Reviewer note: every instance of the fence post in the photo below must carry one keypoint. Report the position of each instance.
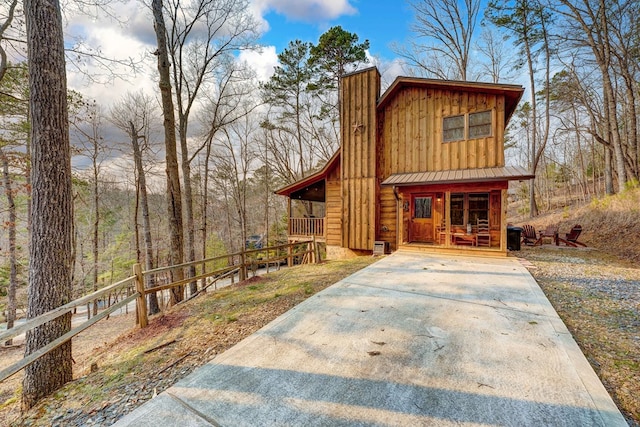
(141, 302)
(290, 254)
(316, 252)
(243, 266)
(204, 279)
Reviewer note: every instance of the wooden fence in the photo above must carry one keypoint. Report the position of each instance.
(237, 264)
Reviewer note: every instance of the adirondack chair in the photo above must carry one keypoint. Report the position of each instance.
(529, 235)
(571, 238)
(551, 232)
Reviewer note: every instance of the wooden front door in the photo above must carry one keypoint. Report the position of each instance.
(421, 227)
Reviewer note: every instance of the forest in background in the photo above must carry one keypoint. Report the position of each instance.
(189, 171)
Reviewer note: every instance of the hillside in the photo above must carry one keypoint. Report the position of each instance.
(118, 367)
(611, 224)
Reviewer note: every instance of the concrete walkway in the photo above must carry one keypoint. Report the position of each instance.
(412, 340)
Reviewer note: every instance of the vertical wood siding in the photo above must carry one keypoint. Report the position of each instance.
(359, 93)
(411, 131)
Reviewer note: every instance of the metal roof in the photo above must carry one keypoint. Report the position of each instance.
(504, 173)
(311, 179)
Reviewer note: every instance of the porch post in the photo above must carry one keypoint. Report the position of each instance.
(289, 217)
(503, 220)
(447, 216)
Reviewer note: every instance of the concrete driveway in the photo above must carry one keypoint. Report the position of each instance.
(410, 340)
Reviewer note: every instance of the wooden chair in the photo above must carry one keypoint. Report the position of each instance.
(442, 232)
(571, 238)
(529, 235)
(551, 232)
(483, 234)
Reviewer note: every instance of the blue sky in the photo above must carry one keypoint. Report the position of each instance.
(382, 22)
(379, 21)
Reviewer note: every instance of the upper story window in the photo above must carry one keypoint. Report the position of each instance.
(467, 126)
(479, 124)
(453, 128)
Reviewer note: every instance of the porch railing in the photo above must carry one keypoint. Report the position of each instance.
(306, 227)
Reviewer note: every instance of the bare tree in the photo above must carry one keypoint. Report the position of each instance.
(498, 60)
(588, 25)
(4, 26)
(444, 32)
(87, 127)
(174, 197)
(202, 35)
(133, 115)
(228, 101)
(52, 213)
(234, 159)
(11, 225)
(14, 118)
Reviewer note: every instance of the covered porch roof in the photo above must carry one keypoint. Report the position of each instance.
(503, 173)
(311, 187)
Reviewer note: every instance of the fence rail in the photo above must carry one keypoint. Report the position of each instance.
(238, 263)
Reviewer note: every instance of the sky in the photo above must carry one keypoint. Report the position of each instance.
(382, 22)
(379, 21)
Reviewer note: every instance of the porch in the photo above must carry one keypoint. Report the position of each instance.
(453, 211)
(306, 228)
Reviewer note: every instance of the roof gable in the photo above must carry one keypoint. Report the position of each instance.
(512, 93)
(311, 179)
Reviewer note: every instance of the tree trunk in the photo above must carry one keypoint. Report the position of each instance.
(11, 224)
(96, 222)
(205, 198)
(533, 206)
(188, 201)
(146, 223)
(52, 202)
(632, 133)
(174, 202)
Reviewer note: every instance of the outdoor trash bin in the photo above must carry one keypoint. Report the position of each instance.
(513, 238)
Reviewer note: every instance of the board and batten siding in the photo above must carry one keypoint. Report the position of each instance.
(411, 131)
(359, 95)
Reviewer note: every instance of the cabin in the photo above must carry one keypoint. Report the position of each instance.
(420, 166)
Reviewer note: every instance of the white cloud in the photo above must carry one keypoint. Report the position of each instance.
(306, 10)
(133, 39)
(263, 61)
(389, 70)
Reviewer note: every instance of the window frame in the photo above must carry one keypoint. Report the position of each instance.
(490, 124)
(466, 208)
(466, 129)
(420, 210)
(463, 127)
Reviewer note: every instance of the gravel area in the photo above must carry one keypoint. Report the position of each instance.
(598, 297)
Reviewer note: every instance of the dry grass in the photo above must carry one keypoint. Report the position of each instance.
(611, 224)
